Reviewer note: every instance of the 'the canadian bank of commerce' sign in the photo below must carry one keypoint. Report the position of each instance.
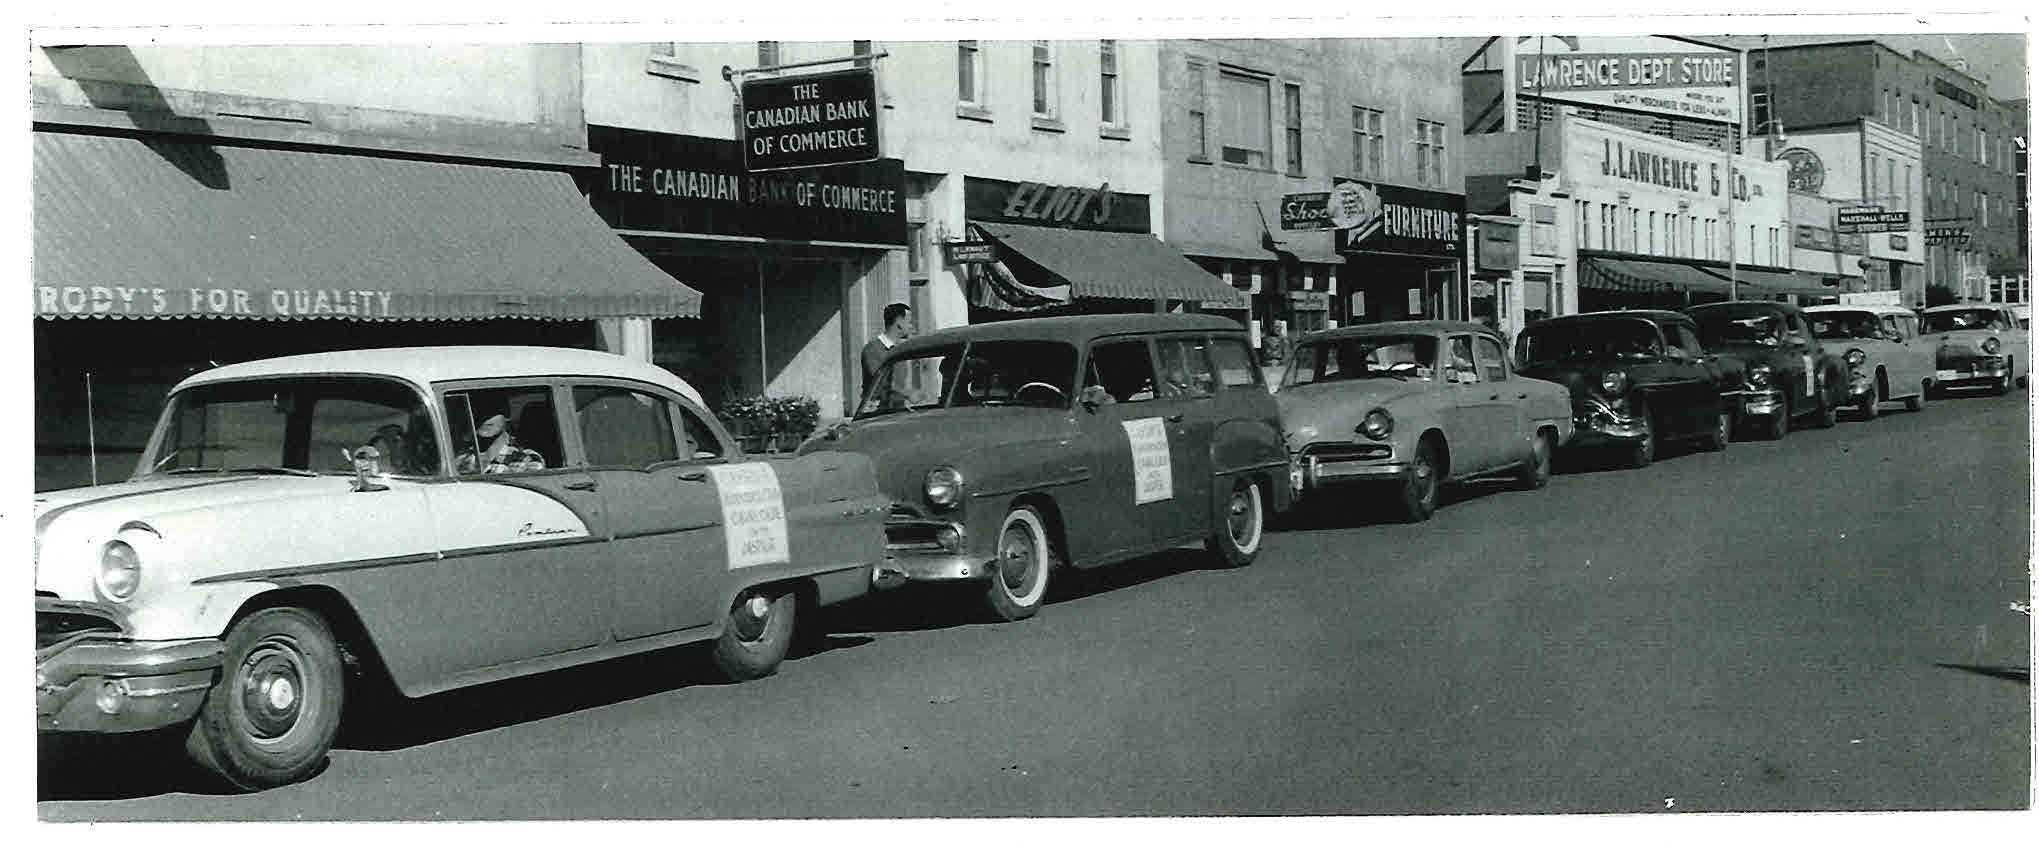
(813, 120)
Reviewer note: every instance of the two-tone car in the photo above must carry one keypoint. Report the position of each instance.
(425, 518)
(1412, 405)
(1785, 373)
(1636, 378)
(1981, 344)
(1888, 360)
(1014, 448)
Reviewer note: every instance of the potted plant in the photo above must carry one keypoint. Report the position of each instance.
(749, 419)
(794, 418)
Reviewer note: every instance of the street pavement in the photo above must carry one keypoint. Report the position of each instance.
(1822, 623)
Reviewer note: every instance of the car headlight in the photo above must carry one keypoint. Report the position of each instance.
(1614, 382)
(1377, 424)
(1856, 357)
(1991, 345)
(944, 487)
(1759, 375)
(120, 571)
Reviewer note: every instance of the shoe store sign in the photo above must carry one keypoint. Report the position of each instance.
(815, 120)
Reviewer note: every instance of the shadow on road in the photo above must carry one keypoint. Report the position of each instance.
(930, 607)
(117, 767)
(2021, 674)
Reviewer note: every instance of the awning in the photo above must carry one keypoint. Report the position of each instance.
(1639, 276)
(1102, 265)
(1777, 281)
(137, 228)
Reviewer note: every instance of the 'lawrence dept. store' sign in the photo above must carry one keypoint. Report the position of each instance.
(685, 184)
(814, 120)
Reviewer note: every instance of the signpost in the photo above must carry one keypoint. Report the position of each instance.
(970, 252)
(814, 120)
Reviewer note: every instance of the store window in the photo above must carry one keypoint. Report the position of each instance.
(969, 73)
(1199, 104)
(1634, 229)
(1044, 79)
(1109, 93)
(1652, 232)
(1243, 121)
(1429, 152)
(1370, 143)
(1292, 126)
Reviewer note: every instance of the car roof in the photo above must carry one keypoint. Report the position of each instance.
(1651, 314)
(1892, 310)
(1075, 329)
(425, 365)
(1743, 306)
(1964, 306)
(1402, 327)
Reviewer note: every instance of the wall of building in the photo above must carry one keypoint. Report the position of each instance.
(1215, 208)
(1816, 84)
(1698, 191)
(1961, 164)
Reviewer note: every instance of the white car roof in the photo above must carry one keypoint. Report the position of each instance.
(1873, 309)
(1964, 306)
(424, 365)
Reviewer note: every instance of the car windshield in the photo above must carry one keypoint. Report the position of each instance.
(1844, 325)
(1369, 356)
(1763, 329)
(1034, 373)
(1586, 340)
(294, 426)
(1965, 318)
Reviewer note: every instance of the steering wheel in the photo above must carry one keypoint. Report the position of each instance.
(1060, 397)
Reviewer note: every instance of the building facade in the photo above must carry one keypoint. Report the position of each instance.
(1840, 175)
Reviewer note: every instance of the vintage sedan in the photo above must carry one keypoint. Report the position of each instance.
(303, 527)
(1981, 344)
(1010, 449)
(1888, 360)
(1416, 404)
(1636, 378)
(1784, 371)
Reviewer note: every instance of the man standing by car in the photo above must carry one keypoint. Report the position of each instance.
(897, 328)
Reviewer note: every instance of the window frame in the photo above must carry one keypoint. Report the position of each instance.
(565, 386)
(1199, 111)
(1111, 85)
(1370, 142)
(1292, 127)
(1088, 365)
(1265, 102)
(970, 64)
(570, 457)
(672, 428)
(1042, 65)
(1480, 360)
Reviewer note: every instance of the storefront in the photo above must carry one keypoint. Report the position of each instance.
(157, 256)
(1404, 252)
(791, 265)
(1059, 249)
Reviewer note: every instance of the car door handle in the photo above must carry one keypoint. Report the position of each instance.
(693, 475)
(1173, 418)
(589, 484)
(1522, 396)
(1494, 398)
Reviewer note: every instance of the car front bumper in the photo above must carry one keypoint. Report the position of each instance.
(1595, 425)
(1971, 371)
(1349, 465)
(915, 552)
(105, 684)
(1760, 402)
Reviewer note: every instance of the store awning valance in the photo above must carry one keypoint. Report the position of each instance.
(1776, 281)
(1101, 265)
(1639, 276)
(131, 227)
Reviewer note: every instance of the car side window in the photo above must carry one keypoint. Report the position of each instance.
(1682, 337)
(503, 430)
(1493, 362)
(1185, 368)
(698, 439)
(1891, 329)
(1123, 369)
(624, 427)
(1234, 363)
(1459, 366)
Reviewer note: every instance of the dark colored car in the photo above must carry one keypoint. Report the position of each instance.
(1636, 378)
(1009, 449)
(1785, 372)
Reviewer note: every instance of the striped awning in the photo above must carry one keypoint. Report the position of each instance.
(1777, 281)
(148, 227)
(1103, 265)
(1638, 276)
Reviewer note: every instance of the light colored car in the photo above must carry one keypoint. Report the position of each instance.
(1414, 405)
(428, 518)
(1887, 359)
(1981, 344)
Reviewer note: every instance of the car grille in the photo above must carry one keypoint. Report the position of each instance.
(900, 511)
(1327, 452)
(55, 626)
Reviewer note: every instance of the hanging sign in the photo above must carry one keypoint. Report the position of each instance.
(1306, 212)
(1377, 217)
(1947, 235)
(1871, 218)
(814, 120)
(970, 252)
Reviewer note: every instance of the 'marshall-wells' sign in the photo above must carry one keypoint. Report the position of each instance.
(815, 120)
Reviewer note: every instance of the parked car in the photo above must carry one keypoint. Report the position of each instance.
(1980, 344)
(430, 518)
(1785, 373)
(1635, 378)
(2023, 313)
(1012, 449)
(1886, 357)
(1416, 404)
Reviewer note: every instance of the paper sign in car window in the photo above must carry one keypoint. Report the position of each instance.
(753, 514)
(1153, 475)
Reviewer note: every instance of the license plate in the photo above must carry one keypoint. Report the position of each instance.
(1945, 374)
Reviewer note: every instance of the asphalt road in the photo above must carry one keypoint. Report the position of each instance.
(1824, 623)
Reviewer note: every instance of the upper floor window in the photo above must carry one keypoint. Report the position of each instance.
(1759, 109)
(1429, 153)
(1199, 105)
(1982, 146)
(969, 73)
(1044, 79)
(768, 53)
(1244, 119)
(1369, 143)
(1543, 233)
(861, 48)
(1292, 126)
(1108, 93)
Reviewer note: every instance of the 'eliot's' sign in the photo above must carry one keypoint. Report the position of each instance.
(810, 121)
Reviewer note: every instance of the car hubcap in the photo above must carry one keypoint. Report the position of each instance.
(1241, 519)
(1425, 478)
(1723, 428)
(1016, 559)
(753, 615)
(272, 689)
